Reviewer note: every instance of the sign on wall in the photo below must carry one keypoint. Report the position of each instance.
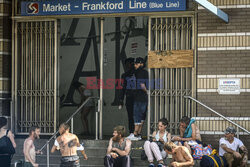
(79, 7)
(229, 86)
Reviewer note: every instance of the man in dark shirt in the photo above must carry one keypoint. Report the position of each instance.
(127, 90)
(140, 97)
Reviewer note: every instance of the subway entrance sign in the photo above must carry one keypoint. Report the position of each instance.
(81, 7)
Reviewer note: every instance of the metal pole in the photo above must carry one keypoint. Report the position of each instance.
(96, 120)
(47, 153)
(149, 76)
(101, 77)
(72, 125)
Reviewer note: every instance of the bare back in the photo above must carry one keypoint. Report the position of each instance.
(182, 154)
(68, 143)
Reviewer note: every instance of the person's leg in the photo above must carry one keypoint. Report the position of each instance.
(137, 118)
(108, 161)
(130, 108)
(156, 151)
(124, 161)
(148, 151)
(84, 116)
(229, 158)
(188, 147)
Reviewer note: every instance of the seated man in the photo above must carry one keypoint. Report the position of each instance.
(67, 143)
(189, 132)
(118, 150)
(228, 148)
(180, 155)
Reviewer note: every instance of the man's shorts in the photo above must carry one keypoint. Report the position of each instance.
(70, 161)
(139, 111)
(230, 159)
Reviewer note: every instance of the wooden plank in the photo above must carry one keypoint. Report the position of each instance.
(170, 59)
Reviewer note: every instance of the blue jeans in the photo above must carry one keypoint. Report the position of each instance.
(139, 112)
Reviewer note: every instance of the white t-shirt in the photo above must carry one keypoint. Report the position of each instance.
(234, 146)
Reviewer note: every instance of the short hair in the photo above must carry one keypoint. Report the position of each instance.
(120, 130)
(164, 121)
(169, 146)
(32, 129)
(3, 122)
(65, 126)
(185, 120)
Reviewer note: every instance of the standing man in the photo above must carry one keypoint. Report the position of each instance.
(228, 149)
(127, 90)
(118, 150)
(29, 148)
(140, 97)
(67, 143)
(180, 155)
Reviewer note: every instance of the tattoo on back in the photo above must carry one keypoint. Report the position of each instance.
(72, 143)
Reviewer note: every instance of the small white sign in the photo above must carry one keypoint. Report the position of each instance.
(229, 86)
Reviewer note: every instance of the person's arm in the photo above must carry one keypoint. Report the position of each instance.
(193, 126)
(84, 154)
(245, 151)
(27, 150)
(126, 151)
(188, 157)
(11, 136)
(123, 90)
(55, 147)
(109, 149)
(169, 137)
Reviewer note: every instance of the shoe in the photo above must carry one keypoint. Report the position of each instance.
(151, 165)
(139, 137)
(131, 135)
(161, 165)
(134, 138)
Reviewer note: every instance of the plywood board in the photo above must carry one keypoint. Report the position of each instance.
(170, 59)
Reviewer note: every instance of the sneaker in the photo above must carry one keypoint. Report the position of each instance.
(139, 137)
(131, 135)
(134, 138)
(161, 165)
(151, 165)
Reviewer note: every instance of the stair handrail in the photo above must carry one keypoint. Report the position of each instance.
(77, 110)
(222, 116)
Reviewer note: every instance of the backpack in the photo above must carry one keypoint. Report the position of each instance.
(213, 161)
(197, 151)
(6, 146)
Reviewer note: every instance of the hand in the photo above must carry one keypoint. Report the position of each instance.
(176, 138)
(237, 155)
(120, 107)
(85, 156)
(161, 140)
(175, 164)
(35, 164)
(114, 155)
(39, 152)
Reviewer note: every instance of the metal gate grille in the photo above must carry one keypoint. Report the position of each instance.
(170, 33)
(36, 78)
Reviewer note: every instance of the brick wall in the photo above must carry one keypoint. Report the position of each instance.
(5, 57)
(224, 52)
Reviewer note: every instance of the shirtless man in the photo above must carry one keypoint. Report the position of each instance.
(29, 148)
(181, 155)
(67, 143)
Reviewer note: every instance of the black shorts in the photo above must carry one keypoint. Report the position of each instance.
(70, 161)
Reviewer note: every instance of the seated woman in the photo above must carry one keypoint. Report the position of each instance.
(189, 133)
(155, 148)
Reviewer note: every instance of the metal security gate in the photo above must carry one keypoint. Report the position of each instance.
(166, 34)
(35, 77)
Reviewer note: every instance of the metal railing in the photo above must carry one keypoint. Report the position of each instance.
(220, 115)
(71, 119)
